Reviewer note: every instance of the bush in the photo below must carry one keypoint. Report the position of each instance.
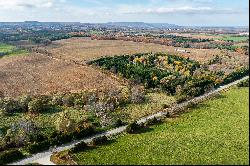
(84, 130)
(79, 147)
(2, 112)
(137, 94)
(236, 75)
(68, 100)
(38, 147)
(9, 105)
(64, 123)
(244, 83)
(153, 121)
(118, 123)
(62, 138)
(133, 128)
(181, 98)
(38, 105)
(57, 100)
(24, 101)
(99, 140)
(164, 106)
(10, 156)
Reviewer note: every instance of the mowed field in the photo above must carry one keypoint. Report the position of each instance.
(85, 49)
(37, 74)
(215, 132)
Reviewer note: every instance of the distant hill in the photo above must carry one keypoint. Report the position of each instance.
(141, 25)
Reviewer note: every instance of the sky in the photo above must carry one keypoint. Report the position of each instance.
(180, 12)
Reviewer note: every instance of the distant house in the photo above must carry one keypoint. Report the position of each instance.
(181, 50)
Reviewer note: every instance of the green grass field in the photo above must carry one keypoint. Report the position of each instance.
(6, 47)
(215, 132)
(234, 38)
(10, 50)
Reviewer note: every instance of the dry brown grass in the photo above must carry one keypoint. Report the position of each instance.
(85, 49)
(38, 74)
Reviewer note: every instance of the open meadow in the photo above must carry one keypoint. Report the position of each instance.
(214, 132)
(85, 49)
(37, 74)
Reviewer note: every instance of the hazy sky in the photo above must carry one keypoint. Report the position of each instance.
(181, 12)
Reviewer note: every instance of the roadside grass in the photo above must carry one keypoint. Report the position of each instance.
(154, 103)
(214, 132)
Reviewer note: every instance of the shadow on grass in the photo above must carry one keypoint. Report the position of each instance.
(200, 105)
(53, 109)
(143, 130)
(220, 96)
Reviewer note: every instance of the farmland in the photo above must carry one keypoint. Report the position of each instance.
(85, 49)
(39, 74)
(10, 50)
(235, 38)
(209, 134)
(45, 74)
(71, 84)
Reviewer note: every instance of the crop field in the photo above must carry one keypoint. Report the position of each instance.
(41, 75)
(234, 38)
(213, 36)
(10, 50)
(85, 49)
(38, 74)
(214, 132)
(5, 47)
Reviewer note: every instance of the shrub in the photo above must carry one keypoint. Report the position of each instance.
(181, 98)
(236, 75)
(133, 128)
(137, 94)
(153, 121)
(78, 103)
(2, 113)
(79, 147)
(9, 105)
(244, 83)
(62, 138)
(38, 147)
(191, 104)
(24, 101)
(99, 140)
(164, 106)
(83, 130)
(64, 123)
(118, 123)
(68, 100)
(57, 100)
(38, 105)
(10, 156)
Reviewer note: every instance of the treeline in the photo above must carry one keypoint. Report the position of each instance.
(39, 37)
(175, 41)
(173, 74)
